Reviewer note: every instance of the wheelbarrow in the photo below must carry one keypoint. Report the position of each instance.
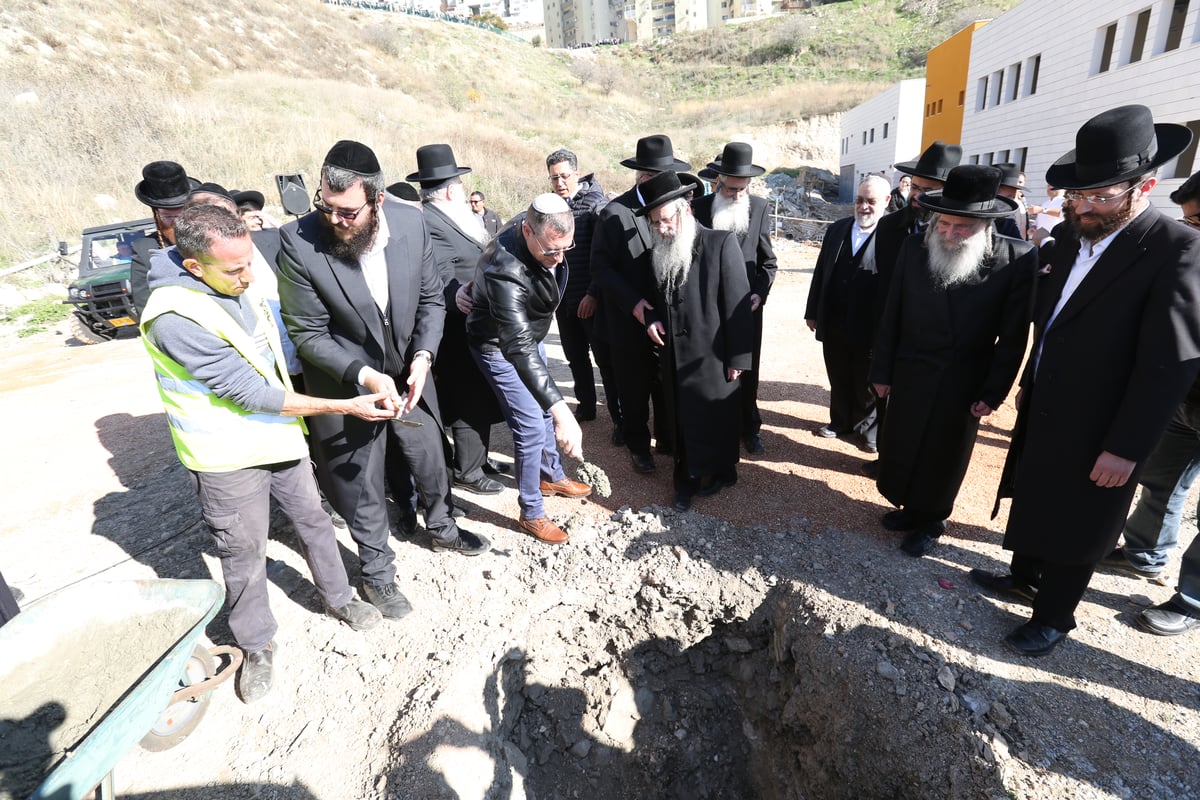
(88, 672)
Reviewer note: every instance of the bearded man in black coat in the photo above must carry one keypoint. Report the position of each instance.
(949, 345)
(701, 319)
(1117, 345)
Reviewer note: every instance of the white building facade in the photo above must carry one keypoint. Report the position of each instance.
(879, 133)
(1041, 70)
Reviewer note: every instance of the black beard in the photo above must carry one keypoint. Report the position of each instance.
(1107, 224)
(359, 242)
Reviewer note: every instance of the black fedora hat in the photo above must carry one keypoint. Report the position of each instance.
(655, 154)
(935, 163)
(1010, 175)
(164, 184)
(435, 164)
(662, 188)
(208, 187)
(970, 191)
(1116, 146)
(734, 161)
(249, 197)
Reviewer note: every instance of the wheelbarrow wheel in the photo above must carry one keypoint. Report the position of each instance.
(178, 720)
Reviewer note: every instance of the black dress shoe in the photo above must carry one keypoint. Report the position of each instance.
(709, 486)
(921, 541)
(682, 501)
(466, 543)
(643, 463)
(257, 674)
(869, 468)
(754, 445)
(388, 599)
(1034, 639)
(898, 520)
(1009, 585)
(1170, 618)
(618, 436)
(484, 485)
(585, 413)
(491, 467)
(406, 522)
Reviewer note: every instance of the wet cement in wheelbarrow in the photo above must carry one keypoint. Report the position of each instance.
(62, 683)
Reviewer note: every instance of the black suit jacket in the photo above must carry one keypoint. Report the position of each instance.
(621, 267)
(755, 245)
(1114, 365)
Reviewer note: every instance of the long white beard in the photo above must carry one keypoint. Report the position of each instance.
(731, 215)
(466, 219)
(672, 255)
(954, 265)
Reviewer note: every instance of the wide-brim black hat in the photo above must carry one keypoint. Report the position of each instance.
(969, 191)
(164, 184)
(1116, 146)
(935, 163)
(250, 197)
(734, 161)
(661, 189)
(435, 164)
(655, 154)
(1010, 175)
(404, 191)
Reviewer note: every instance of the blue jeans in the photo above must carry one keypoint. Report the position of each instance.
(1152, 530)
(534, 448)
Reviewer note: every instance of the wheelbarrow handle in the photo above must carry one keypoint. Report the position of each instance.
(189, 693)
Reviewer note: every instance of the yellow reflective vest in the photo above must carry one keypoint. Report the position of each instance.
(212, 434)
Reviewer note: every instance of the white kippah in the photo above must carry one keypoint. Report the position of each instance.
(550, 203)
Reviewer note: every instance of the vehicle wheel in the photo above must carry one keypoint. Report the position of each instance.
(178, 720)
(83, 332)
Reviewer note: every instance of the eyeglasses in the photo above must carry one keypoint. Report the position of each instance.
(562, 178)
(551, 253)
(1096, 199)
(349, 216)
(476, 202)
(730, 191)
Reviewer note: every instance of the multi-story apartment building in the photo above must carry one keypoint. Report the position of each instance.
(878, 133)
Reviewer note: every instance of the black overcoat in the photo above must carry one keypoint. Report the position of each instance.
(941, 350)
(709, 328)
(1115, 364)
(462, 390)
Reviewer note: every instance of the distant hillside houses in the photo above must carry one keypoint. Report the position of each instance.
(572, 23)
(1016, 89)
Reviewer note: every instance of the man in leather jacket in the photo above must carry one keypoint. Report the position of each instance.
(517, 287)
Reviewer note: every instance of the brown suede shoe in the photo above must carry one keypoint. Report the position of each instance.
(543, 529)
(566, 487)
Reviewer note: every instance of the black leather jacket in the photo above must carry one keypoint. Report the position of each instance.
(512, 303)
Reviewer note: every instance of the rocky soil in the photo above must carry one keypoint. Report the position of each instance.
(771, 643)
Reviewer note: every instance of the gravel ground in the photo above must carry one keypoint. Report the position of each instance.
(771, 643)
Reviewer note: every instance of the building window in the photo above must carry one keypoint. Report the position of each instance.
(1001, 157)
(1019, 156)
(1175, 26)
(981, 92)
(939, 106)
(1014, 81)
(885, 127)
(962, 97)
(997, 91)
(1141, 26)
(1187, 159)
(872, 135)
(864, 138)
(1034, 66)
(1106, 40)
(975, 159)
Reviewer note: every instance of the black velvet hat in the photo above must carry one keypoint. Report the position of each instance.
(662, 188)
(435, 164)
(251, 198)
(1116, 146)
(655, 154)
(404, 191)
(354, 157)
(1010, 175)
(935, 163)
(164, 184)
(970, 191)
(208, 187)
(734, 161)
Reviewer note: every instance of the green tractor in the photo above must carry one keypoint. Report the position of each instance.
(104, 307)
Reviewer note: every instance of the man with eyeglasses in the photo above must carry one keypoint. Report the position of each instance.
(731, 207)
(842, 312)
(621, 268)
(576, 314)
(517, 287)
(363, 302)
(1116, 347)
(489, 220)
